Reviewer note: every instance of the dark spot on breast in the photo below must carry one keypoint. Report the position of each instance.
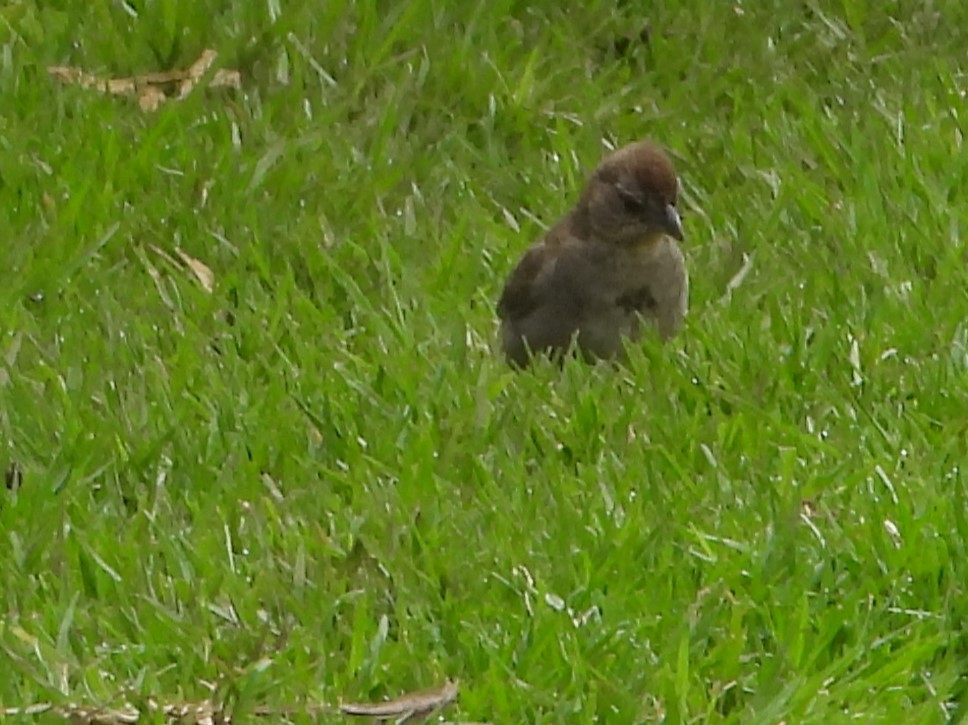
(638, 300)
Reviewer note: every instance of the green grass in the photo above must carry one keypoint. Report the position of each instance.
(321, 482)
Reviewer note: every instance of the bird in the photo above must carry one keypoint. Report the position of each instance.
(609, 265)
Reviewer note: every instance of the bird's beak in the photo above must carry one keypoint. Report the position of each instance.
(673, 224)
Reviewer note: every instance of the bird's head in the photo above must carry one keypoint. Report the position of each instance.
(631, 198)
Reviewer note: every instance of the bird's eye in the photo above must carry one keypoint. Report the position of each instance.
(632, 203)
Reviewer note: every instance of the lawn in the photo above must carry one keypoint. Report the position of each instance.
(318, 481)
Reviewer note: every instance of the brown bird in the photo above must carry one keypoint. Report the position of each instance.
(609, 264)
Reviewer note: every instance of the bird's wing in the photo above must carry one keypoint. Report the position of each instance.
(546, 299)
(559, 274)
(521, 296)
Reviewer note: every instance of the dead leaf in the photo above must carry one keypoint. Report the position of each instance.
(163, 254)
(153, 89)
(408, 708)
(149, 98)
(411, 707)
(197, 69)
(204, 712)
(226, 78)
(202, 272)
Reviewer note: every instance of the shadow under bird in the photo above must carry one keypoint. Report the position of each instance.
(608, 269)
